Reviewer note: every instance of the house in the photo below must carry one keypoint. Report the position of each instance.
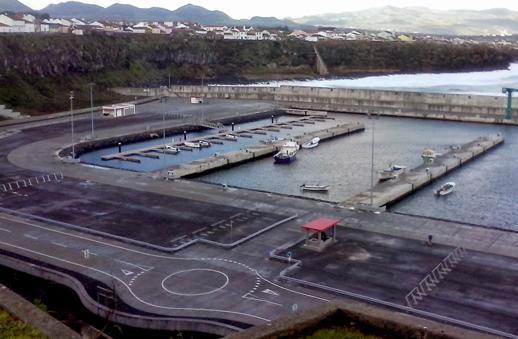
(16, 24)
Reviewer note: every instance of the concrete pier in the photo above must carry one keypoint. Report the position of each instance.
(233, 158)
(385, 193)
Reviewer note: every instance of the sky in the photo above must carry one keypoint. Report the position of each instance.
(239, 9)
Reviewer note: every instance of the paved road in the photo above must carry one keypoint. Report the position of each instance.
(198, 287)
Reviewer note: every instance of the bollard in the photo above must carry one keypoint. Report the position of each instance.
(120, 146)
(232, 127)
(272, 119)
(184, 135)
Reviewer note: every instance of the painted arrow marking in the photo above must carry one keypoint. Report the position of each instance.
(268, 291)
(126, 272)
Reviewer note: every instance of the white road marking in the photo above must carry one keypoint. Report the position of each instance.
(152, 255)
(59, 244)
(126, 272)
(5, 230)
(30, 236)
(247, 296)
(196, 294)
(129, 288)
(141, 267)
(269, 291)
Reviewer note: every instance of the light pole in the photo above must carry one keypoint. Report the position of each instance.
(72, 122)
(163, 127)
(91, 85)
(372, 161)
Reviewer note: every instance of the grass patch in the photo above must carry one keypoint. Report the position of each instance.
(340, 332)
(11, 327)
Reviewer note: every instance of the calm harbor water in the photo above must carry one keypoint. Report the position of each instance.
(486, 187)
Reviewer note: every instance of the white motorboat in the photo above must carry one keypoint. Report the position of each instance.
(312, 143)
(230, 137)
(172, 149)
(192, 144)
(314, 187)
(447, 188)
(287, 153)
(391, 172)
(272, 140)
(204, 143)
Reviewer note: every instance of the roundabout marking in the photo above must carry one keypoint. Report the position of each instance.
(195, 270)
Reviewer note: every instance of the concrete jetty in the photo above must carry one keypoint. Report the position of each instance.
(232, 158)
(385, 193)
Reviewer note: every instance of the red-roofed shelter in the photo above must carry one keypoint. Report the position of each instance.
(319, 227)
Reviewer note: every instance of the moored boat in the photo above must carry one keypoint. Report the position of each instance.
(312, 143)
(287, 153)
(391, 172)
(314, 187)
(231, 137)
(192, 144)
(204, 143)
(447, 188)
(170, 148)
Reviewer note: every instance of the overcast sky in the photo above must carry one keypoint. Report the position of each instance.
(241, 9)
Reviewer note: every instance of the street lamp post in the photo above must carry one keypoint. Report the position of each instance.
(92, 107)
(372, 161)
(72, 122)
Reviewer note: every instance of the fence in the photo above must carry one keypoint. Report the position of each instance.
(431, 280)
(37, 180)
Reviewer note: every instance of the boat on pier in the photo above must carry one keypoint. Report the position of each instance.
(428, 155)
(391, 172)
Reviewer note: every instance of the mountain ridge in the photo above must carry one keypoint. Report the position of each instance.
(419, 19)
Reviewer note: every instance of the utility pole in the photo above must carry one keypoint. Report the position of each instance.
(372, 161)
(91, 85)
(72, 122)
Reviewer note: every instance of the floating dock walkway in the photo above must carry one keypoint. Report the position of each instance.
(219, 138)
(385, 193)
(232, 158)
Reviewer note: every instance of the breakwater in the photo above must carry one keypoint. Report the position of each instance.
(385, 193)
(457, 107)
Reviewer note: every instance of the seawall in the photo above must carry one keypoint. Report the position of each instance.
(458, 107)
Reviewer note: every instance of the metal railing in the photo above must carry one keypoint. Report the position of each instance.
(37, 180)
(437, 274)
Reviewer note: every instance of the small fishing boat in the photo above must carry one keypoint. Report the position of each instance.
(272, 140)
(314, 187)
(287, 153)
(428, 155)
(312, 143)
(391, 172)
(447, 188)
(192, 144)
(204, 143)
(170, 148)
(230, 137)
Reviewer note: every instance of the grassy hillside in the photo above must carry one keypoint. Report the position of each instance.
(38, 71)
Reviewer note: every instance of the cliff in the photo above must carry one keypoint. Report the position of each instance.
(37, 71)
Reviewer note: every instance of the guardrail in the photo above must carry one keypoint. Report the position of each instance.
(37, 180)
(431, 280)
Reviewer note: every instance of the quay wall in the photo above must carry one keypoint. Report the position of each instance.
(459, 107)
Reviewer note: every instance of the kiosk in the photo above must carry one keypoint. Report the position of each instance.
(316, 236)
